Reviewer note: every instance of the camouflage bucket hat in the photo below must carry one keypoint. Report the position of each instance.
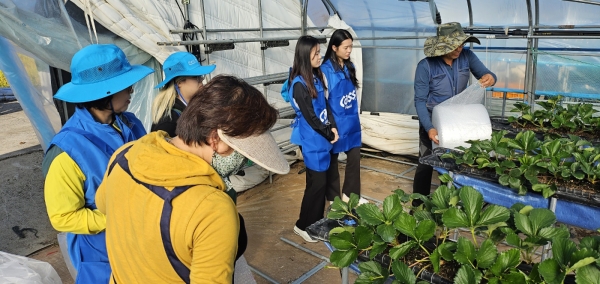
(449, 37)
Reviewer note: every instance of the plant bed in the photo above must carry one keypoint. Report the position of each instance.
(513, 128)
(578, 191)
(574, 190)
(524, 162)
(554, 118)
(394, 243)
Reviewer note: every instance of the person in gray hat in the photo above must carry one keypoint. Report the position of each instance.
(444, 73)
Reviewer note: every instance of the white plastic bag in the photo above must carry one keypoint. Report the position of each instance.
(462, 118)
(22, 270)
(456, 124)
(473, 94)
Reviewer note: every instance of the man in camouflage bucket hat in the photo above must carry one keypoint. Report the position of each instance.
(443, 74)
(449, 37)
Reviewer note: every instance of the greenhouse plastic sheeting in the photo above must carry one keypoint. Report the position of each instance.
(39, 109)
(566, 212)
(389, 68)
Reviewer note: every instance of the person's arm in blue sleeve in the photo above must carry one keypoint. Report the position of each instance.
(479, 70)
(422, 93)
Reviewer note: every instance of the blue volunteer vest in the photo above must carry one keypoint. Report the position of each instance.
(441, 87)
(343, 102)
(91, 144)
(315, 148)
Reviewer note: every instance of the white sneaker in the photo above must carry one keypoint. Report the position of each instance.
(304, 235)
(361, 201)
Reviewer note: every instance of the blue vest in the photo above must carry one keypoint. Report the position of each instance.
(441, 87)
(91, 144)
(315, 148)
(343, 102)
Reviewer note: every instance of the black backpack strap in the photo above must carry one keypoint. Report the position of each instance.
(165, 218)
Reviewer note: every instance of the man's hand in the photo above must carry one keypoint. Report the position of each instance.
(334, 130)
(486, 81)
(433, 135)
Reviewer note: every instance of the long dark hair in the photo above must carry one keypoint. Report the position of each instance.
(303, 67)
(336, 39)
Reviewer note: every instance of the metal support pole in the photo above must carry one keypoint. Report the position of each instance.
(262, 51)
(303, 16)
(186, 10)
(547, 247)
(310, 273)
(208, 76)
(178, 31)
(528, 70)
(263, 275)
(503, 103)
(60, 83)
(534, 57)
(387, 159)
(319, 256)
(345, 275)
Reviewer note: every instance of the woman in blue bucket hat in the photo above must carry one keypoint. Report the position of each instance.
(78, 155)
(184, 76)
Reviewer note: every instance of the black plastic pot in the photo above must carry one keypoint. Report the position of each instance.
(435, 160)
(526, 268)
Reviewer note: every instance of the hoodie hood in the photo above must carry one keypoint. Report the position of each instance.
(153, 160)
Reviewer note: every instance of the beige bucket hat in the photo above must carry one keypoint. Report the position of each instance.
(260, 149)
(449, 37)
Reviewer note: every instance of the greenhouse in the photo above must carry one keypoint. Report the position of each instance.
(515, 192)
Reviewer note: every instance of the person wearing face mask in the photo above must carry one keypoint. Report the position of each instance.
(78, 155)
(164, 197)
(444, 73)
(184, 76)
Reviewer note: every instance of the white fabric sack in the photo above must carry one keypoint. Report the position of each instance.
(391, 132)
(22, 270)
(252, 177)
(456, 124)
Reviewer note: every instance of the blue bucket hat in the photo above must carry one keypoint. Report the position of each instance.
(183, 63)
(99, 71)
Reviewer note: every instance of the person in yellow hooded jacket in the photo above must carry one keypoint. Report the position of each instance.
(168, 219)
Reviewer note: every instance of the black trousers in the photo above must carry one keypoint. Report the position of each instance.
(422, 182)
(242, 238)
(352, 176)
(319, 187)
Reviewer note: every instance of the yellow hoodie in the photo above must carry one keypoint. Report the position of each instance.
(204, 222)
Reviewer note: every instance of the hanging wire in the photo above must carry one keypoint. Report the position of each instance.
(193, 49)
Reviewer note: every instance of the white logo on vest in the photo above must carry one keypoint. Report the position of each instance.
(323, 116)
(346, 101)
